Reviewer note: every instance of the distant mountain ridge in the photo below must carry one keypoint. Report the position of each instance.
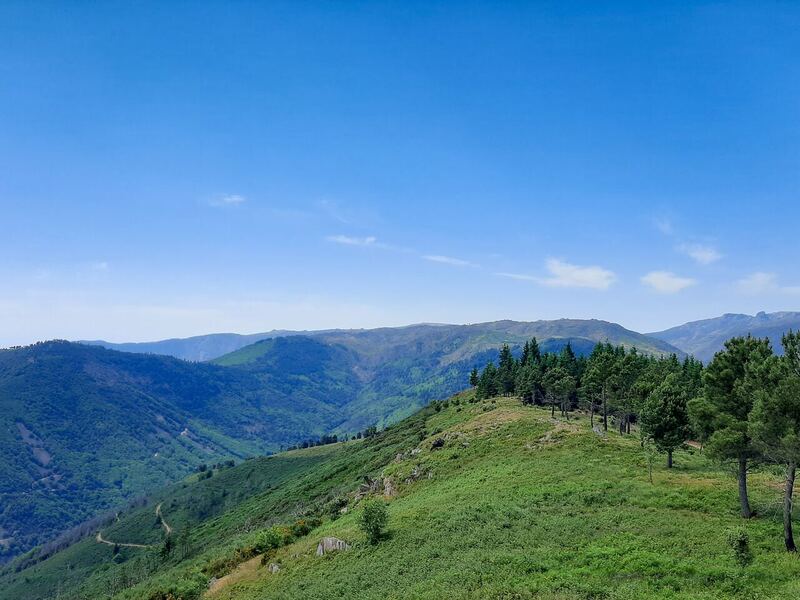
(705, 337)
(211, 346)
(196, 348)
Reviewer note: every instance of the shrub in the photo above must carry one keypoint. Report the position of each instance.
(739, 542)
(373, 519)
(335, 507)
(271, 539)
(300, 528)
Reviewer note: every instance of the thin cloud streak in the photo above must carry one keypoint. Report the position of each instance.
(347, 240)
(519, 277)
(449, 260)
(227, 200)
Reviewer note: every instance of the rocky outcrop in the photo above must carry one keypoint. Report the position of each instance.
(273, 567)
(331, 544)
(389, 488)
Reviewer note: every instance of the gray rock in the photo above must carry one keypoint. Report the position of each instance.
(389, 489)
(331, 544)
(273, 567)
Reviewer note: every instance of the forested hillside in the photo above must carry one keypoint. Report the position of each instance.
(82, 428)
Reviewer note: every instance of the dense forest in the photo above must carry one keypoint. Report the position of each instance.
(743, 408)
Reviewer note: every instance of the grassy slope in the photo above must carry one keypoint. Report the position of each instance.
(514, 506)
(532, 510)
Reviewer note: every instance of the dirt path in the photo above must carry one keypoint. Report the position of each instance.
(164, 524)
(101, 540)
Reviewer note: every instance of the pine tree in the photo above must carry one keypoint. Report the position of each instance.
(474, 377)
(506, 371)
(487, 384)
(728, 399)
(775, 421)
(665, 419)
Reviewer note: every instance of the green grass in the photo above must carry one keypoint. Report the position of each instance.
(515, 505)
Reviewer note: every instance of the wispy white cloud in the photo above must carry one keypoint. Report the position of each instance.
(449, 260)
(99, 266)
(564, 274)
(519, 276)
(700, 253)
(762, 282)
(665, 282)
(227, 200)
(347, 240)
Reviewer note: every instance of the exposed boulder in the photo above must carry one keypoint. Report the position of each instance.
(331, 544)
(273, 567)
(389, 488)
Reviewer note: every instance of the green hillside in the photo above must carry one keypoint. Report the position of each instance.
(83, 429)
(487, 499)
(400, 369)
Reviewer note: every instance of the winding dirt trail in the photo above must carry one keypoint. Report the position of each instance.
(167, 529)
(100, 539)
(164, 524)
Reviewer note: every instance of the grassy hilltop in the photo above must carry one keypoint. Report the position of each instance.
(513, 504)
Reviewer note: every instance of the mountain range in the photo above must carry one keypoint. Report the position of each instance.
(703, 338)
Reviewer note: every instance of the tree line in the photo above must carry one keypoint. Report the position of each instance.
(743, 407)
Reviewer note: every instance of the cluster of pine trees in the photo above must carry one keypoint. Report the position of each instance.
(334, 439)
(744, 407)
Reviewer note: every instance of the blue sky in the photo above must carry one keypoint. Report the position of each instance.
(195, 167)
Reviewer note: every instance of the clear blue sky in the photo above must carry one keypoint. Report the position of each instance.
(183, 168)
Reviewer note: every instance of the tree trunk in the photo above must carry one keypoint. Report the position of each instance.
(591, 416)
(787, 508)
(552, 409)
(605, 412)
(628, 425)
(742, 477)
(669, 459)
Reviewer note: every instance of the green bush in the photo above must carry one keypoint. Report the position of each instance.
(739, 541)
(271, 539)
(336, 506)
(373, 519)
